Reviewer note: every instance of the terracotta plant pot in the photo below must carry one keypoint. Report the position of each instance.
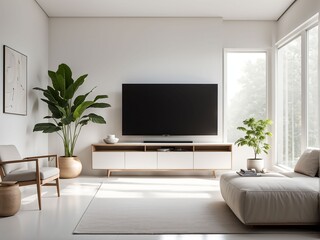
(10, 199)
(70, 167)
(256, 163)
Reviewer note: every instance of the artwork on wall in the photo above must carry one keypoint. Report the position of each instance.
(15, 82)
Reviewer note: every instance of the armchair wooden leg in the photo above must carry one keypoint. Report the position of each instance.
(38, 183)
(58, 186)
(39, 194)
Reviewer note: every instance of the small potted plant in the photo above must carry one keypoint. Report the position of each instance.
(68, 113)
(255, 137)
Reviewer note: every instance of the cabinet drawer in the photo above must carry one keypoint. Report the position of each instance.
(141, 160)
(212, 160)
(175, 160)
(108, 160)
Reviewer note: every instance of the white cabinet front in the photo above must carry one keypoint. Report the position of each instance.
(141, 160)
(212, 160)
(175, 160)
(108, 160)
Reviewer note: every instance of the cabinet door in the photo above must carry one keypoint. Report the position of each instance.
(108, 160)
(212, 160)
(175, 160)
(141, 160)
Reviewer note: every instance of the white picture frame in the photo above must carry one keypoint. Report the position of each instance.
(15, 82)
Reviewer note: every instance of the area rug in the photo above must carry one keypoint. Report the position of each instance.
(162, 206)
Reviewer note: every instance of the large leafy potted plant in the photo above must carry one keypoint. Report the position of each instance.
(68, 114)
(256, 134)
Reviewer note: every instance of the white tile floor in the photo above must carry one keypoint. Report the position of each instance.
(59, 217)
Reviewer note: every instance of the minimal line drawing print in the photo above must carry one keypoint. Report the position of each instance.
(15, 82)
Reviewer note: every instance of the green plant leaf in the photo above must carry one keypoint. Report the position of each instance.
(84, 122)
(81, 108)
(61, 102)
(55, 112)
(100, 97)
(65, 71)
(242, 129)
(53, 78)
(67, 120)
(39, 89)
(46, 127)
(74, 86)
(100, 105)
(61, 87)
(96, 118)
(49, 96)
(80, 99)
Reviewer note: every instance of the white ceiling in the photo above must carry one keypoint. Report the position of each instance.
(227, 9)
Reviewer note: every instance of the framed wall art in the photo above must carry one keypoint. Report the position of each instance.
(14, 81)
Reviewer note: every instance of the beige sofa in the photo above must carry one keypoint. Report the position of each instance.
(288, 198)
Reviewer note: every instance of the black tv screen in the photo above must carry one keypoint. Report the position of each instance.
(169, 109)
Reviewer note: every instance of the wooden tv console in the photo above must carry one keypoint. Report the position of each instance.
(161, 156)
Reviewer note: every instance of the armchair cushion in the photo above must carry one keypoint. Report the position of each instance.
(8, 153)
(30, 175)
(308, 163)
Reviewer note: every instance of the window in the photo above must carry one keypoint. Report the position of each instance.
(313, 105)
(246, 89)
(298, 93)
(289, 103)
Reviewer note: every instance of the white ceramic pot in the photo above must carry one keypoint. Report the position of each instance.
(111, 139)
(256, 163)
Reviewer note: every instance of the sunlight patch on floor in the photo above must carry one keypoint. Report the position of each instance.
(80, 189)
(32, 198)
(158, 188)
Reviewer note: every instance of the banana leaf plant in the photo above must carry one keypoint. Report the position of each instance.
(68, 112)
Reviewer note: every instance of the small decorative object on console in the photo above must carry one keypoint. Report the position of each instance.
(111, 139)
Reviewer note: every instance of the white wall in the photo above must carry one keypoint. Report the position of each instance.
(300, 12)
(248, 34)
(128, 50)
(157, 50)
(24, 27)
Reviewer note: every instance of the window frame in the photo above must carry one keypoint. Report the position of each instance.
(307, 77)
(300, 31)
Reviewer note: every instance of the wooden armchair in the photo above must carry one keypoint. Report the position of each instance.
(14, 168)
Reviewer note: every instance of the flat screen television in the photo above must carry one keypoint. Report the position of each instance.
(169, 109)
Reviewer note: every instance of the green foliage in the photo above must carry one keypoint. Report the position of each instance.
(255, 135)
(66, 114)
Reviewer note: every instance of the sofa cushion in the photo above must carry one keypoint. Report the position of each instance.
(308, 163)
(313, 182)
